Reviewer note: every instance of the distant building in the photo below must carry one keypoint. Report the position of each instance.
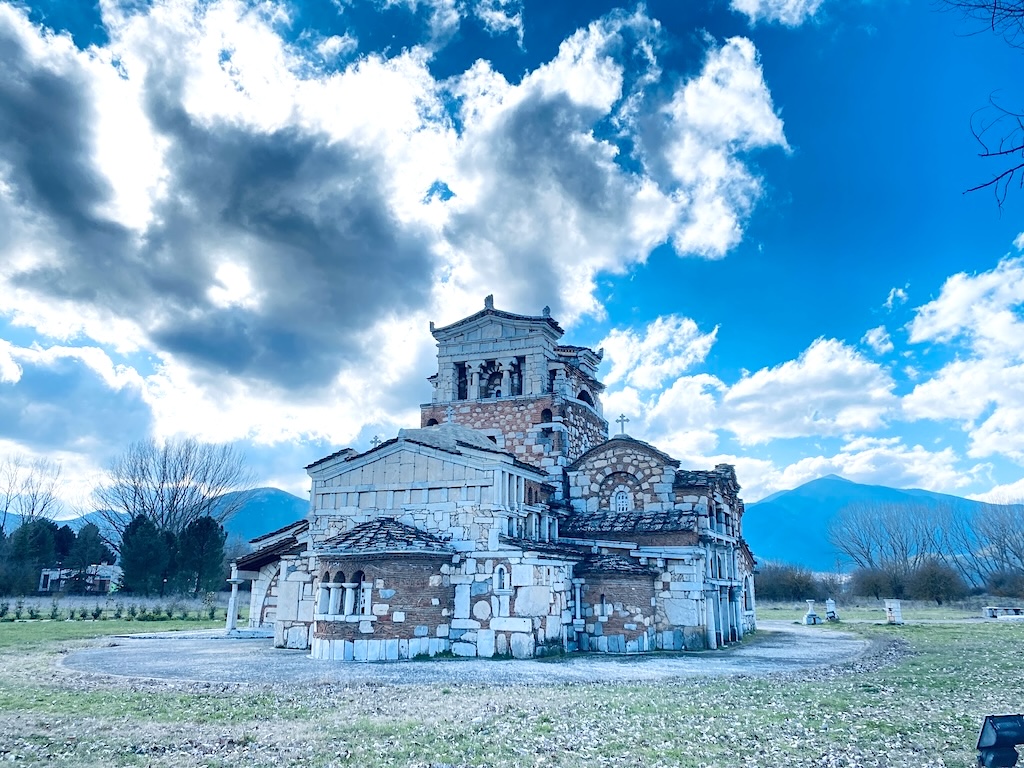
(509, 523)
(97, 579)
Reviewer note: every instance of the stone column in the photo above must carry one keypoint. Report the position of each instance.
(334, 604)
(350, 599)
(367, 595)
(234, 581)
(506, 377)
(473, 392)
(713, 610)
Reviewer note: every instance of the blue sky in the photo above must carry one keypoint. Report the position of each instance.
(235, 220)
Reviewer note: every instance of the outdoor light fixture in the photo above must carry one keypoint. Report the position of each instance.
(999, 735)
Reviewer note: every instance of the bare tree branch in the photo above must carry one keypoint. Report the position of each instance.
(173, 484)
(28, 489)
(1006, 19)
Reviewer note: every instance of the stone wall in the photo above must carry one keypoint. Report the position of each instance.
(293, 621)
(680, 616)
(622, 463)
(624, 623)
(518, 426)
(424, 606)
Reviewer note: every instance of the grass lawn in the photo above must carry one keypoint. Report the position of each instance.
(924, 709)
(873, 610)
(20, 636)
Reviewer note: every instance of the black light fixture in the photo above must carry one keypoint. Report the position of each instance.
(999, 735)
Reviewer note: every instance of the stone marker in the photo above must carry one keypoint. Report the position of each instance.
(811, 617)
(893, 612)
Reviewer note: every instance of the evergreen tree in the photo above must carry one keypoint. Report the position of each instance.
(144, 556)
(31, 548)
(63, 542)
(201, 555)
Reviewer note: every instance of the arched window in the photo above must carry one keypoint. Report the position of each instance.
(585, 397)
(500, 578)
(546, 416)
(622, 503)
(432, 423)
(603, 608)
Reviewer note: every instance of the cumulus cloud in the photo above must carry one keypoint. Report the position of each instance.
(885, 461)
(206, 196)
(668, 346)
(728, 107)
(983, 310)
(71, 399)
(982, 315)
(831, 389)
(1007, 493)
(284, 214)
(791, 13)
(878, 339)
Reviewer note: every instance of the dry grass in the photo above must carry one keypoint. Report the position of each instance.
(917, 700)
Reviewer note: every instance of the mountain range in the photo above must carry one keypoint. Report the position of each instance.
(792, 526)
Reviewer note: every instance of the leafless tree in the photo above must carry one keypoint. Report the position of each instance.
(897, 539)
(998, 128)
(28, 488)
(173, 484)
(888, 537)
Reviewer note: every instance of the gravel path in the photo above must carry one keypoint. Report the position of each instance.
(778, 647)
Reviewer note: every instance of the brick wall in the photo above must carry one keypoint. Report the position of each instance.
(405, 586)
(628, 613)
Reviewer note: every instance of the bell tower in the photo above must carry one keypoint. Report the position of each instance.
(507, 376)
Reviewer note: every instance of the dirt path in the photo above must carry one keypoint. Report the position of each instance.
(778, 647)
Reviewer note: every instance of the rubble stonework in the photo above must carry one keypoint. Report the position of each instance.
(508, 524)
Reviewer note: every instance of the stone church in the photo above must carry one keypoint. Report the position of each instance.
(509, 523)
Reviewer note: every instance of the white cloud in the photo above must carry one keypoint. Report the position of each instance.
(336, 46)
(983, 309)
(669, 346)
(792, 13)
(831, 389)
(878, 339)
(1007, 493)
(269, 247)
(982, 390)
(10, 371)
(896, 297)
(885, 461)
(501, 16)
(727, 107)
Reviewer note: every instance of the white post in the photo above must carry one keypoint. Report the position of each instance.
(234, 581)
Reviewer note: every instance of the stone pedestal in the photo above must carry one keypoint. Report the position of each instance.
(811, 617)
(893, 612)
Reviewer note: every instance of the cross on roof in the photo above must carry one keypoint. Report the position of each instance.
(376, 441)
(622, 422)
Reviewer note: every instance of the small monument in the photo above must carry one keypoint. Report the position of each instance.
(811, 617)
(830, 610)
(893, 612)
